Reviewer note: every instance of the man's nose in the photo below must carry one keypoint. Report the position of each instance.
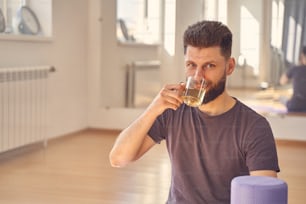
(200, 72)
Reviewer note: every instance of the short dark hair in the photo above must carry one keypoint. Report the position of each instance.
(206, 33)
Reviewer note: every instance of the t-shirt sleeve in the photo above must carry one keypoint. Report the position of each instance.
(158, 130)
(261, 149)
(290, 72)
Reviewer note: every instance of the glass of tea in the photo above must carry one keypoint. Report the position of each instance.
(195, 91)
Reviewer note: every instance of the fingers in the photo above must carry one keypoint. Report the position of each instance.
(170, 100)
(172, 95)
(176, 89)
(169, 97)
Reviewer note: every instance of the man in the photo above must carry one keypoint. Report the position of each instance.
(297, 74)
(209, 145)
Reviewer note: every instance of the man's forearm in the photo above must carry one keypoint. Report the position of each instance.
(129, 143)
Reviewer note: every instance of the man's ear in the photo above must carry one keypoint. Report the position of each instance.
(231, 64)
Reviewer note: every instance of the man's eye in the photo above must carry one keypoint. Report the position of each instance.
(190, 66)
(209, 66)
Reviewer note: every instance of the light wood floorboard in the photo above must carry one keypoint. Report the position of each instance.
(75, 170)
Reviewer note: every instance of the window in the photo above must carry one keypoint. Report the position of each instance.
(250, 38)
(169, 26)
(42, 10)
(291, 37)
(294, 30)
(277, 23)
(138, 21)
(215, 10)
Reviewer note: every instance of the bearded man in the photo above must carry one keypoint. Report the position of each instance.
(208, 145)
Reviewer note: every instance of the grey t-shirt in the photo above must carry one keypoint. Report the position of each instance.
(207, 152)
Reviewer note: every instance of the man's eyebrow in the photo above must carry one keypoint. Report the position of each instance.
(190, 61)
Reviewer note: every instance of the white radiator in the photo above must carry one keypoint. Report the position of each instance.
(23, 106)
(142, 83)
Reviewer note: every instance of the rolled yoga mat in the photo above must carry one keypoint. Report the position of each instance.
(258, 190)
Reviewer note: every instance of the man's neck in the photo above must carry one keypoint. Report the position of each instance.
(221, 104)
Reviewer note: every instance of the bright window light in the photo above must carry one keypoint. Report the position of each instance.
(274, 29)
(249, 41)
(297, 43)
(139, 21)
(277, 23)
(281, 12)
(215, 10)
(222, 11)
(291, 37)
(169, 26)
(210, 9)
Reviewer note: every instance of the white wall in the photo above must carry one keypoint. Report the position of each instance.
(288, 127)
(67, 93)
(68, 87)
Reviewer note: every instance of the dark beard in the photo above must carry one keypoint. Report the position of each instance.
(215, 91)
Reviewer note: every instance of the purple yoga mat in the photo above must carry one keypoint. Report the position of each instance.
(258, 190)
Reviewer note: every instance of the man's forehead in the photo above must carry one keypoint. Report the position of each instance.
(207, 52)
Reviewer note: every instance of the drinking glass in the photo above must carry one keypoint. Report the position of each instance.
(195, 91)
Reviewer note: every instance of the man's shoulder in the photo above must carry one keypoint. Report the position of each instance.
(246, 111)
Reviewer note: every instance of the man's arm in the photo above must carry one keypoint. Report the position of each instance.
(262, 152)
(134, 141)
(284, 79)
(264, 173)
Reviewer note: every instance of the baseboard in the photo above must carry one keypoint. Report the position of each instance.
(295, 143)
(22, 150)
(105, 130)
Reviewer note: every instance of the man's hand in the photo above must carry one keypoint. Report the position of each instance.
(170, 96)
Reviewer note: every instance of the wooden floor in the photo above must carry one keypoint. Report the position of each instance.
(75, 170)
